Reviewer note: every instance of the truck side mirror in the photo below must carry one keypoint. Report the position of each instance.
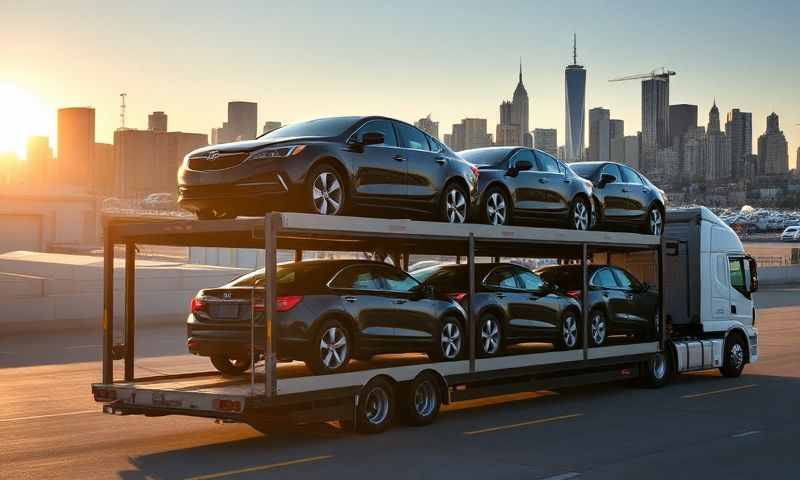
(753, 274)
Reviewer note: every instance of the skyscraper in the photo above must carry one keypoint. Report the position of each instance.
(655, 119)
(39, 159)
(428, 126)
(574, 106)
(773, 151)
(682, 117)
(475, 134)
(157, 122)
(713, 119)
(632, 151)
(270, 126)
(739, 130)
(75, 160)
(546, 140)
(242, 123)
(717, 149)
(515, 113)
(616, 128)
(599, 135)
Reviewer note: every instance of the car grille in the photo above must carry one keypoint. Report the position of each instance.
(219, 162)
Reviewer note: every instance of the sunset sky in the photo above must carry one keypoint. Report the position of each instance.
(405, 59)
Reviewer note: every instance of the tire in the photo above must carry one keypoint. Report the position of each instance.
(490, 336)
(376, 404)
(421, 400)
(734, 356)
(450, 341)
(325, 192)
(496, 209)
(454, 205)
(656, 372)
(654, 223)
(598, 327)
(230, 366)
(579, 215)
(570, 331)
(331, 348)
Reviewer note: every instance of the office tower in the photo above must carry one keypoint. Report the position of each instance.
(713, 119)
(718, 152)
(515, 113)
(632, 150)
(269, 126)
(694, 152)
(655, 119)
(667, 163)
(562, 152)
(616, 128)
(75, 147)
(773, 151)
(505, 113)
(39, 159)
(617, 150)
(104, 161)
(575, 107)
(157, 122)
(507, 135)
(599, 134)
(242, 123)
(475, 134)
(739, 130)
(546, 140)
(682, 117)
(428, 126)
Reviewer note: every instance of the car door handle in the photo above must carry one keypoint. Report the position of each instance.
(500, 295)
(399, 302)
(399, 158)
(440, 160)
(542, 180)
(626, 190)
(605, 293)
(350, 299)
(645, 190)
(733, 309)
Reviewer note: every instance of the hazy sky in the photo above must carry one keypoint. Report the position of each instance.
(403, 59)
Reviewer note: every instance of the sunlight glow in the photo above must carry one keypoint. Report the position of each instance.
(23, 116)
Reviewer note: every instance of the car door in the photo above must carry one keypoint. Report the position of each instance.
(414, 316)
(427, 169)
(612, 196)
(639, 306)
(530, 195)
(739, 293)
(362, 297)
(380, 171)
(555, 185)
(605, 284)
(637, 194)
(501, 283)
(542, 309)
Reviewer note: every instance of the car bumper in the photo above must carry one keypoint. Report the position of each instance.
(246, 197)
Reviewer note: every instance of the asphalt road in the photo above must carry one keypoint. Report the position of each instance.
(700, 426)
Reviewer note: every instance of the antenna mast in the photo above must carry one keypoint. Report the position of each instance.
(574, 49)
(122, 111)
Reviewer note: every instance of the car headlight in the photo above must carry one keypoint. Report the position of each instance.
(277, 152)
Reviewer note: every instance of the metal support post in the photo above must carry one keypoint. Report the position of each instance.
(471, 321)
(130, 309)
(585, 300)
(108, 305)
(271, 222)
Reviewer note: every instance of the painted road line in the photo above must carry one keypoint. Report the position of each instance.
(563, 476)
(51, 415)
(723, 390)
(261, 467)
(746, 434)
(80, 347)
(523, 424)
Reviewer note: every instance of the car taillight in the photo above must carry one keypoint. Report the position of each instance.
(283, 304)
(228, 405)
(458, 296)
(105, 395)
(475, 171)
(576, 294)
(198, 304)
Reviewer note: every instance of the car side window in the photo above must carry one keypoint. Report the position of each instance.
(612, 169)
(530, 281)
(356, 278)
(625, 279)
(382, 126)
(604, 278)
(501, 277)
(630, 176)
(547, 163)
(397, 281)
(436, 147)
(524, 155)
(411, 137)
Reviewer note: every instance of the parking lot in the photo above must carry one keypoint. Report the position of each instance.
(702, 425)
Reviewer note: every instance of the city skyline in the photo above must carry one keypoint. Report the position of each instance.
(450, 90)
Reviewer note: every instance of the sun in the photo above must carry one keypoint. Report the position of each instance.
(22, 116)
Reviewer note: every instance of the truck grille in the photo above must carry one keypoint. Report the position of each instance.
(220, 161)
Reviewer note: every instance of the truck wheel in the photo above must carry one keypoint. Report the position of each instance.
(375, 407)
(330, 351)
(733, 360)
(421, 400)
(599, 327)
(569, 337)
(230, 366)
(655, 372)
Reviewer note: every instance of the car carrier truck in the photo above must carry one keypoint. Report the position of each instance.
(704, 277)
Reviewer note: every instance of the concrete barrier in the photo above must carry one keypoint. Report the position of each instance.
(779, 275)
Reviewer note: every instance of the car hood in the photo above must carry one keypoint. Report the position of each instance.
(251, 145)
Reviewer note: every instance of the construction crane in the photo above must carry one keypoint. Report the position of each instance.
(122, 111)
(660, 73)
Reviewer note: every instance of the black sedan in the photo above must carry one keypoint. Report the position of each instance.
(624, 197)
(513, 304)
(526, 186)
(328, 311)
(618, 302)
(331, 166)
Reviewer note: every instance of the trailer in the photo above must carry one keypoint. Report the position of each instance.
(367, 396)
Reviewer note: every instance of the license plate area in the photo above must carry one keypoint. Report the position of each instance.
(224, 310)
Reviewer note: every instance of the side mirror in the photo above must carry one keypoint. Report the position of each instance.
(605, 179)
(753, 274)
(372, 138)
(520, 166)
(644, 286)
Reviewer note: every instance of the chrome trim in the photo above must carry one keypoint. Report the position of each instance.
(283, 183)
(250, 184)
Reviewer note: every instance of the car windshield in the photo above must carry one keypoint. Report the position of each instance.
(322, 127)
(485, 156)
(585, 170)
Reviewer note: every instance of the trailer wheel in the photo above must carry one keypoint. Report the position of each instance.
(490, 336)
(230, 366)
(569, 333)
(656, 371)
(734, 354)
(598, 327)
(421, 400)
(375, 410)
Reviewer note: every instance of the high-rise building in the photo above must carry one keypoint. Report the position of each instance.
(75, 160)
(599, 134)
(713, 119)
(739, 130)
(694, 152)
(270, 126)
(773, 151)
(632, 150)
(562, 152)
(157, 122)
(507, 134)
(428, 126)
(575, 107)
(515, 113)
(546, 140)
(39, 159)
(105, 176)
(616, 128)
(505, 113)
(655, 119)
(457, 138)
(242, 123)
(718, 157)
(475, 134)
(682, 117)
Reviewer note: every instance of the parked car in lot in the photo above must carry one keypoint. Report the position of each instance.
(618, 302)
(328, 311)
(513, 304)
(520, 185)
(159, 201)
(624, 197)
(331, 166)
(791, 234)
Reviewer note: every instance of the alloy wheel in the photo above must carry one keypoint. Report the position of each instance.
(377, 406)
(656, 222)
(736, 356)
(598, 328)
(451, 340)
(580, 216)
(333, 348)
(327, 193)
(658, 366)
(425, 398)
(490, 336)
(456, 206)
(569, 331)
(496, 210)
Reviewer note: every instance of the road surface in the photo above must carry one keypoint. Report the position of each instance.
(700, 426)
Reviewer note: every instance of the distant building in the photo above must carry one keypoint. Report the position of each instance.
(773, 151)
(270, 126)
(516, 112)
(75, 160)
(599, 135)
(739, 130)
(617, 150)
(507, 135)
(105, 176)
(157, 122)
(457, 139)
(562, 152)
(575, 108)
(667, 162)
(39, 159)
(616, 128)
(242, 123)
(546, 139)
(632, 150)
(682, 117)
(428, 126)
(475, 134)
(694, 152)
(655, 119)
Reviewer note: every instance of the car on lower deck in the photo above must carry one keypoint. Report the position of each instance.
(619, 304)
(328, 311)
(375, 166)
(625, 199)
(525, 186)
(513, 304)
